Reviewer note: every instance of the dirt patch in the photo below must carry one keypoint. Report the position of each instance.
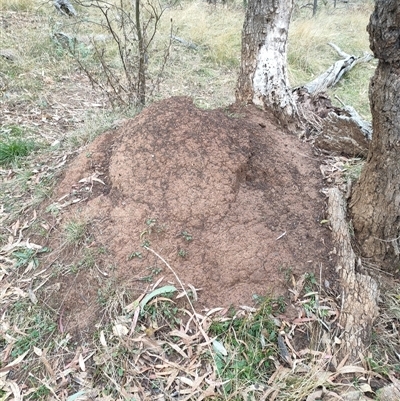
(228, 199)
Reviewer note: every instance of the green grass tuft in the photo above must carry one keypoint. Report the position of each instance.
(13, 150)
(250, 344)
(37, 325)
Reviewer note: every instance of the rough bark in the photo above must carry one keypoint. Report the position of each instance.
(375, 204)
(345, 133)
(360, 292)
(263, 73)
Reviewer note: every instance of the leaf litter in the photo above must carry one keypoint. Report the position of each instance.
(179, 363)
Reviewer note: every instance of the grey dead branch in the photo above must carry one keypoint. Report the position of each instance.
(335, 72)
(10, 55)
(342, 130)
(67, 40)
(390, 392)
(184, 42)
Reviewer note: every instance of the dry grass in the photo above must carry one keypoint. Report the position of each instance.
(208, 73)
(18, 5)
(309, 53)
(216, 30)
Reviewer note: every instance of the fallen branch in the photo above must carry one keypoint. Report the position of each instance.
(335, 72)
(65, 7)
(184, 42)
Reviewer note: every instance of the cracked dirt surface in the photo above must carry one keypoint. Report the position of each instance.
(227, 198)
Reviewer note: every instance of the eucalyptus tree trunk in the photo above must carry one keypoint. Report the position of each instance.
(263, 73)
(375, 204)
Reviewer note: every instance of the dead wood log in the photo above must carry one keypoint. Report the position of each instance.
(345, 132)
(359, 291)
(185, 43)
(65, 7)
(340, 130)
(335, 72)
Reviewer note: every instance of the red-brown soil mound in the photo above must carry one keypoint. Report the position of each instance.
(228, 199)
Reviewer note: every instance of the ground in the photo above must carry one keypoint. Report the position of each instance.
(231, 201)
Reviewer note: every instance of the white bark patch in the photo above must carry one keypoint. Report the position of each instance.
(270, 82)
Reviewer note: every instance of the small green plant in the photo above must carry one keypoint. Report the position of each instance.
(279, 304)
(13, 150)
(41, 393)
(73, 268)
(287, 273)
(154, 271)
(352, 170)
(102, 250)
(162, 313)
(9, 131)
(309, 281)
(135, 254)
(54, 209)
(105, 294)
(146, 244)
(151, 222)
(89, 258)
(183, 253)
(152, 227)
(377, 367)
(26, 256)
(40, 328)
(188, 237)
